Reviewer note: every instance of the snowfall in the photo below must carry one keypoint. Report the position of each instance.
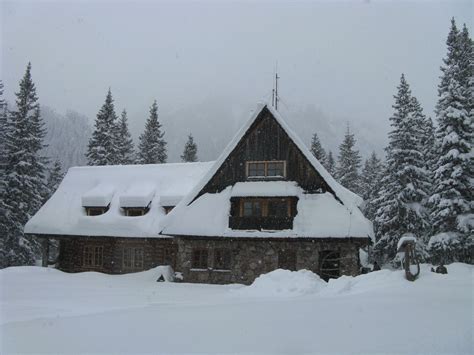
(44, 310)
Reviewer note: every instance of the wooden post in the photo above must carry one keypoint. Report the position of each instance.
(45, 250)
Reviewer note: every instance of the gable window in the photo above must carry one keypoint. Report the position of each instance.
(199, 260)
(133, 258)
(287, 259)
(278, 207)
(222, 259)
(136, 211)
(93, 256)
(266, 169)
(96, 211)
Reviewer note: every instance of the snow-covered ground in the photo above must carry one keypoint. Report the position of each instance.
(45, 310)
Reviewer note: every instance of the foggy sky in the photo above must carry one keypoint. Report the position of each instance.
(345, 58)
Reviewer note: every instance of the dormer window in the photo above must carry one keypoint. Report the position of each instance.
(96, 211)
(135, 211)
(266, 169)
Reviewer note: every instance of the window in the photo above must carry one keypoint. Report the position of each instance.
(329, 264)
(136, 211)
(133, 258)
(265, 207)
(287, 259)
(222, 259)
(96, 211)
(252, 208)
(93, 256)
(199, 259)
(262, 169)
(278, 208)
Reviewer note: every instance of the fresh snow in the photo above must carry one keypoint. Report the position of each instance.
(120, 186)
(44, 310)
(407, 237)
(266, 188)
(318, 216)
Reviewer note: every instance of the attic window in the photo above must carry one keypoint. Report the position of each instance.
(168, 209)
(266, 169)
(265, 207)
(135, 211)
(96, 211)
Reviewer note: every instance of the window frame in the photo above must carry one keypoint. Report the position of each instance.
(265, 176)
(203, 262)
(102, 210)
(93, 256)
(142, 210)
(133, 263)
(222, 259)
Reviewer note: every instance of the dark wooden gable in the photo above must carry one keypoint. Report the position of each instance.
(266, 140)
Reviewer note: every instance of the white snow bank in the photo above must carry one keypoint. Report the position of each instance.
(283, 283)
(63, 213)
(266, 188)
(99, 196)
(137, 195)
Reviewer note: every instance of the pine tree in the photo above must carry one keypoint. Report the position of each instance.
(371, 183)
(190, 151)
(54, 179)
(331, 164)
(452, 198)
(24, 177)
(152, 146)
(125, 150)
(349, 162)
(102, 149)
(405, 183)
(318, 151)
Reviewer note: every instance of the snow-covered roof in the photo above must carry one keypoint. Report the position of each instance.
(319, 215)
(119, 186)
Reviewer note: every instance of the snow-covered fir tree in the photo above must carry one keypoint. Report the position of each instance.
(371, 177)
(125, 150)
(317, 150)
(190, 151)
(349, 162)
(403, 193)
(102, 148)
(152, 146)
(3, 130)
(452, 199)
(331, 164)
(24, 185)
(54, 178)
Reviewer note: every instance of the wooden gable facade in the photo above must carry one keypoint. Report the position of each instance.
(265, 141)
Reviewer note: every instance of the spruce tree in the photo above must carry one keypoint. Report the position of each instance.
(318, 151)
(331, 164)
(125, 150)
(452, 198)
(55, 177)
(370, 183)
(402, 197)
(152, 146)
(24, 185)
(349, 162)
(102, 148)
(190, 151)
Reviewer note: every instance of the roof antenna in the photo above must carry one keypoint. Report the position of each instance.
(275, 97)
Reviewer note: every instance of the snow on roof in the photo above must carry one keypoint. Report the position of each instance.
(137, 195)
(318, 216)
(170, 200)
(208, 215)
(63, 213)
(99, 196)
(265, 188)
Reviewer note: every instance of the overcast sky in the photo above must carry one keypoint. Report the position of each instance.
(343, 57)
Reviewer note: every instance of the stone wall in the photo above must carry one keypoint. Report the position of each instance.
(251, 258)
